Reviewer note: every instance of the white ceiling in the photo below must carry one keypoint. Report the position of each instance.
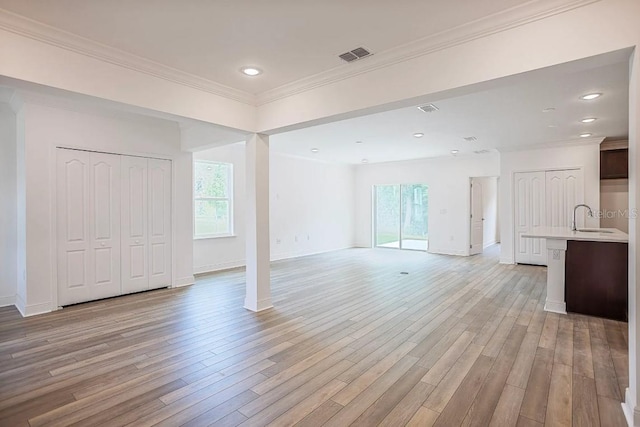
(506, 116)
(289, 39)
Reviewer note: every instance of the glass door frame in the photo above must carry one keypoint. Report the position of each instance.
(374, 219)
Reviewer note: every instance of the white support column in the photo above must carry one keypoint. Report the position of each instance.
(258, 293)
(631, 405)
(557, 251)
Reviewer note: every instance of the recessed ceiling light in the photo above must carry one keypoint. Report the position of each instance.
(454, 152)
(251, 71)
(548, 110)
(418, 135)
(590, 96)
(589, 120)
(314, 150)
(585, 135)
(358, 142)
(365, 161)
(552, 126)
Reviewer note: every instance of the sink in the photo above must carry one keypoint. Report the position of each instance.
(595, 230)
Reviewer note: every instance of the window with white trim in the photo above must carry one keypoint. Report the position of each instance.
(213, 199)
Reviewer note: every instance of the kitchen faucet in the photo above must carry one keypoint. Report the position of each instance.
(589, 212)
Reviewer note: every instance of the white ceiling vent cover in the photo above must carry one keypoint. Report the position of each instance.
(355, 54)
(470, 138)
(429, 108)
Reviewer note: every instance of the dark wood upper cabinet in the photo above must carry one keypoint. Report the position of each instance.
(614, 164)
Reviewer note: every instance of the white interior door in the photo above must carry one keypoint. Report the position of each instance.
(134, 224)
(72, 226)
(104, 220)
(87, 226)
(477, 226)
(565, 189)
(159, 223)
(529, 203)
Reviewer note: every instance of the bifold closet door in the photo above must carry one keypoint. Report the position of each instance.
(134, 225)
(565, 190)
(159, 223)
(146, 224)
(88, 225)
(529, 212)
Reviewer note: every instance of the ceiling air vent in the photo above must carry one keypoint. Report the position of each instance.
(429, 108)
(355, 54)
(470, 138)
(482, 151)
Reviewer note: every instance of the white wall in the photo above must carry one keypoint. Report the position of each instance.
(490, 231)
(614, 202)
(586, 157)
(46, 127)
(449, 196)
(311, 209)
(8, 206)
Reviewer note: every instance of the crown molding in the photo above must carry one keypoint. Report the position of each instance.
(554, 144)
(513, 17)
(35, 30)
(531, 11)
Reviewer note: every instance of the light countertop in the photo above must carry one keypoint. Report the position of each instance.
(565, 233)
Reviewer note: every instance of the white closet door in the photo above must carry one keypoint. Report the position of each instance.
(159, 223)
(565, 189)
(529, 212)
(74, 242)
(104, 219)
(87, 226)
(134, 224)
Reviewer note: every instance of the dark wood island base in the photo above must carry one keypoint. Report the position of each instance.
(596, 279)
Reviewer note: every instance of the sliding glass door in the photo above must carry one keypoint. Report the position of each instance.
(400, 216)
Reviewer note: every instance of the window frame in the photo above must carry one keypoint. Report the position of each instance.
(228, 199)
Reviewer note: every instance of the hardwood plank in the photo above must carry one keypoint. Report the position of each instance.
(534, 404)
(508, 408)
(585, 413)
(559, 405)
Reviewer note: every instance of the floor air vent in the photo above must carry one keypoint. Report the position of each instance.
(355, 54)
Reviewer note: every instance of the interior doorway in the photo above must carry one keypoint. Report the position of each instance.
(484, 218)
(401, 216)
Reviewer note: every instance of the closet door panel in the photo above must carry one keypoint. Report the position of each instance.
(529, 205)
(537, 212)
(134, 224)
(104, 212)
(159, 223)
(74, 242)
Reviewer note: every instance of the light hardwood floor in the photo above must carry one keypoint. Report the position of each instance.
(351, 341)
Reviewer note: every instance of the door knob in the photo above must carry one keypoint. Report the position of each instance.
(102, 244)
(137, 242)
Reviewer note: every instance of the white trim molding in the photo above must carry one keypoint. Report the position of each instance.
(7, 301)
(516, 16)
(39, 31)
(631, 412)
(184, 281)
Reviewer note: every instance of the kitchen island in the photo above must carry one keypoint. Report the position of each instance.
(587, 270)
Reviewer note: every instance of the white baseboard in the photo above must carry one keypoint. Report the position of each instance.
(209, 268)
(7, 301)
(555, 307)
(184, 281)
(259, 306)
(438, 251)
(631, 412)
(291, 255)
(32, 310)
(486, 245)
(212, 268)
